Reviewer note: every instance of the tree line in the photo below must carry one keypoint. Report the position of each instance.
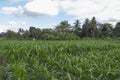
(65, 31)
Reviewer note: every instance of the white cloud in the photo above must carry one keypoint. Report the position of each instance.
(12, 10)
(41, 7)
(33, 8)
(102, 9)
(13, 25)
(23, 23)
(14, 0)
(3, 28)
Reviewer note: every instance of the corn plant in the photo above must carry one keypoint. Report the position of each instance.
(60, 60)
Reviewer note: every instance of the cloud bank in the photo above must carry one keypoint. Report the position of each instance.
(41, 7)
(33, 8)
(13, 0)
(17, 11)
(12, 25)
(104, 10)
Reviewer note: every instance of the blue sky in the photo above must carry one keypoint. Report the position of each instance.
(48, 13)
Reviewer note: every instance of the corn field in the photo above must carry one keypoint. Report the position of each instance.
(60, 60)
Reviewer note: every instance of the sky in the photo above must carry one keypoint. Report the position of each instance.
(15, 14)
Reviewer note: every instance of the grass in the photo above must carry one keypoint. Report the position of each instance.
(60, 60)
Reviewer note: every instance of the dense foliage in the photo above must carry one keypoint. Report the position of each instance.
(60, 60)
(65, 31)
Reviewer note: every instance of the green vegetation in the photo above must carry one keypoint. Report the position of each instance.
(65, 31)
(60, 60)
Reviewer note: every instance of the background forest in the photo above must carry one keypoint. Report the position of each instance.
(65, 31)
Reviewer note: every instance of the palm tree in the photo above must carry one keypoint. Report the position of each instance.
(63, 26)
(77, 27)
(93, 26)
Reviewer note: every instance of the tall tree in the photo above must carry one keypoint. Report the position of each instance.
(117, 30)
(26, 34)
(93, 25)
(20, 33)
(85, 28)
(32, 32)
(11, 34)
(64, 26)
(77, 28)
(106, 30)
(37, 33)
(47, 34)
